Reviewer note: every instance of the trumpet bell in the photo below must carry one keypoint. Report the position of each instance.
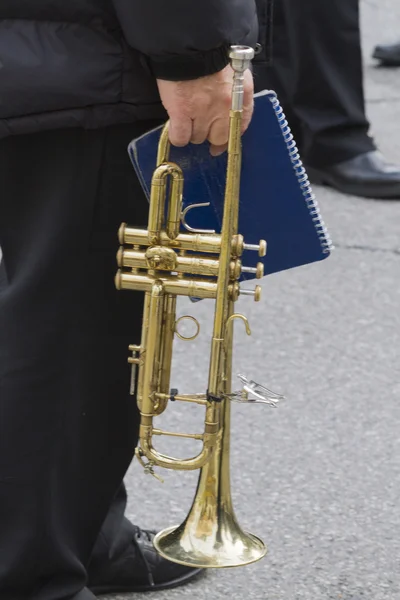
(193, 545)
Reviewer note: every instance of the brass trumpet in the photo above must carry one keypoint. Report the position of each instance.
(165, 263)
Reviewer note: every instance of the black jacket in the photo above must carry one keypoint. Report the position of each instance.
(93, 63)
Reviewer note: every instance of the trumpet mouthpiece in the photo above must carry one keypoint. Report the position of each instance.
(241, 57)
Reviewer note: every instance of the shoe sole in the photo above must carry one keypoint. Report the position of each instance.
(129, 589)
(370, 190)
(386, 62)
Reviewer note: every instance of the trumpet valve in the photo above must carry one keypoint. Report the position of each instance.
(256, 293)
(121, 233)
(261, 248)
(258, 271)
(234, 291)
(161, 257)
(236, 269)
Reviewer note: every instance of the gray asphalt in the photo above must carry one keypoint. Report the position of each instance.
(318, 479)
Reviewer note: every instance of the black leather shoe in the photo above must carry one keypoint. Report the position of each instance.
(389, 55)
(368, 175)
(141, 570)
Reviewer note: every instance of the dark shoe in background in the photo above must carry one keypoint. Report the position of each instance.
(141, 569)
(368, 175)
(389, 56)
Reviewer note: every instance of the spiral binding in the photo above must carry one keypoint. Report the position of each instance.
(302, 176)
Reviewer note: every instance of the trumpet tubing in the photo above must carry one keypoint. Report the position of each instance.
(164, 263)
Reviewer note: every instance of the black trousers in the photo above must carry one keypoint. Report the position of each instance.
(317, 74)
(68, 427)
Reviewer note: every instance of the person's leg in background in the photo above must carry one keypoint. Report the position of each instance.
(317, 72)
(274, 67)
(68, 426)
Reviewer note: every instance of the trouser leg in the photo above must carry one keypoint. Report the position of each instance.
(68, 426)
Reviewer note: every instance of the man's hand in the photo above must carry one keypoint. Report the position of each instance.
(199, 109)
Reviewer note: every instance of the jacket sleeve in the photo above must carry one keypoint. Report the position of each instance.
(186, 39)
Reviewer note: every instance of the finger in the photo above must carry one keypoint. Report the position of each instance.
(180, 130)
(248, 100)
(200, 131)
(217, 150)
(247, 116)
(219, 132)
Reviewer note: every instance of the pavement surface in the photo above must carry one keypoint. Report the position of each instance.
(319, 478)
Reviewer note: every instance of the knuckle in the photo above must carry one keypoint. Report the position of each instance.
(227, 101)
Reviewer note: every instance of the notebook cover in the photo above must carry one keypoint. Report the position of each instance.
(276, 200)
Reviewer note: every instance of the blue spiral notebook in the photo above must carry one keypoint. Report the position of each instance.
(276, 200)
